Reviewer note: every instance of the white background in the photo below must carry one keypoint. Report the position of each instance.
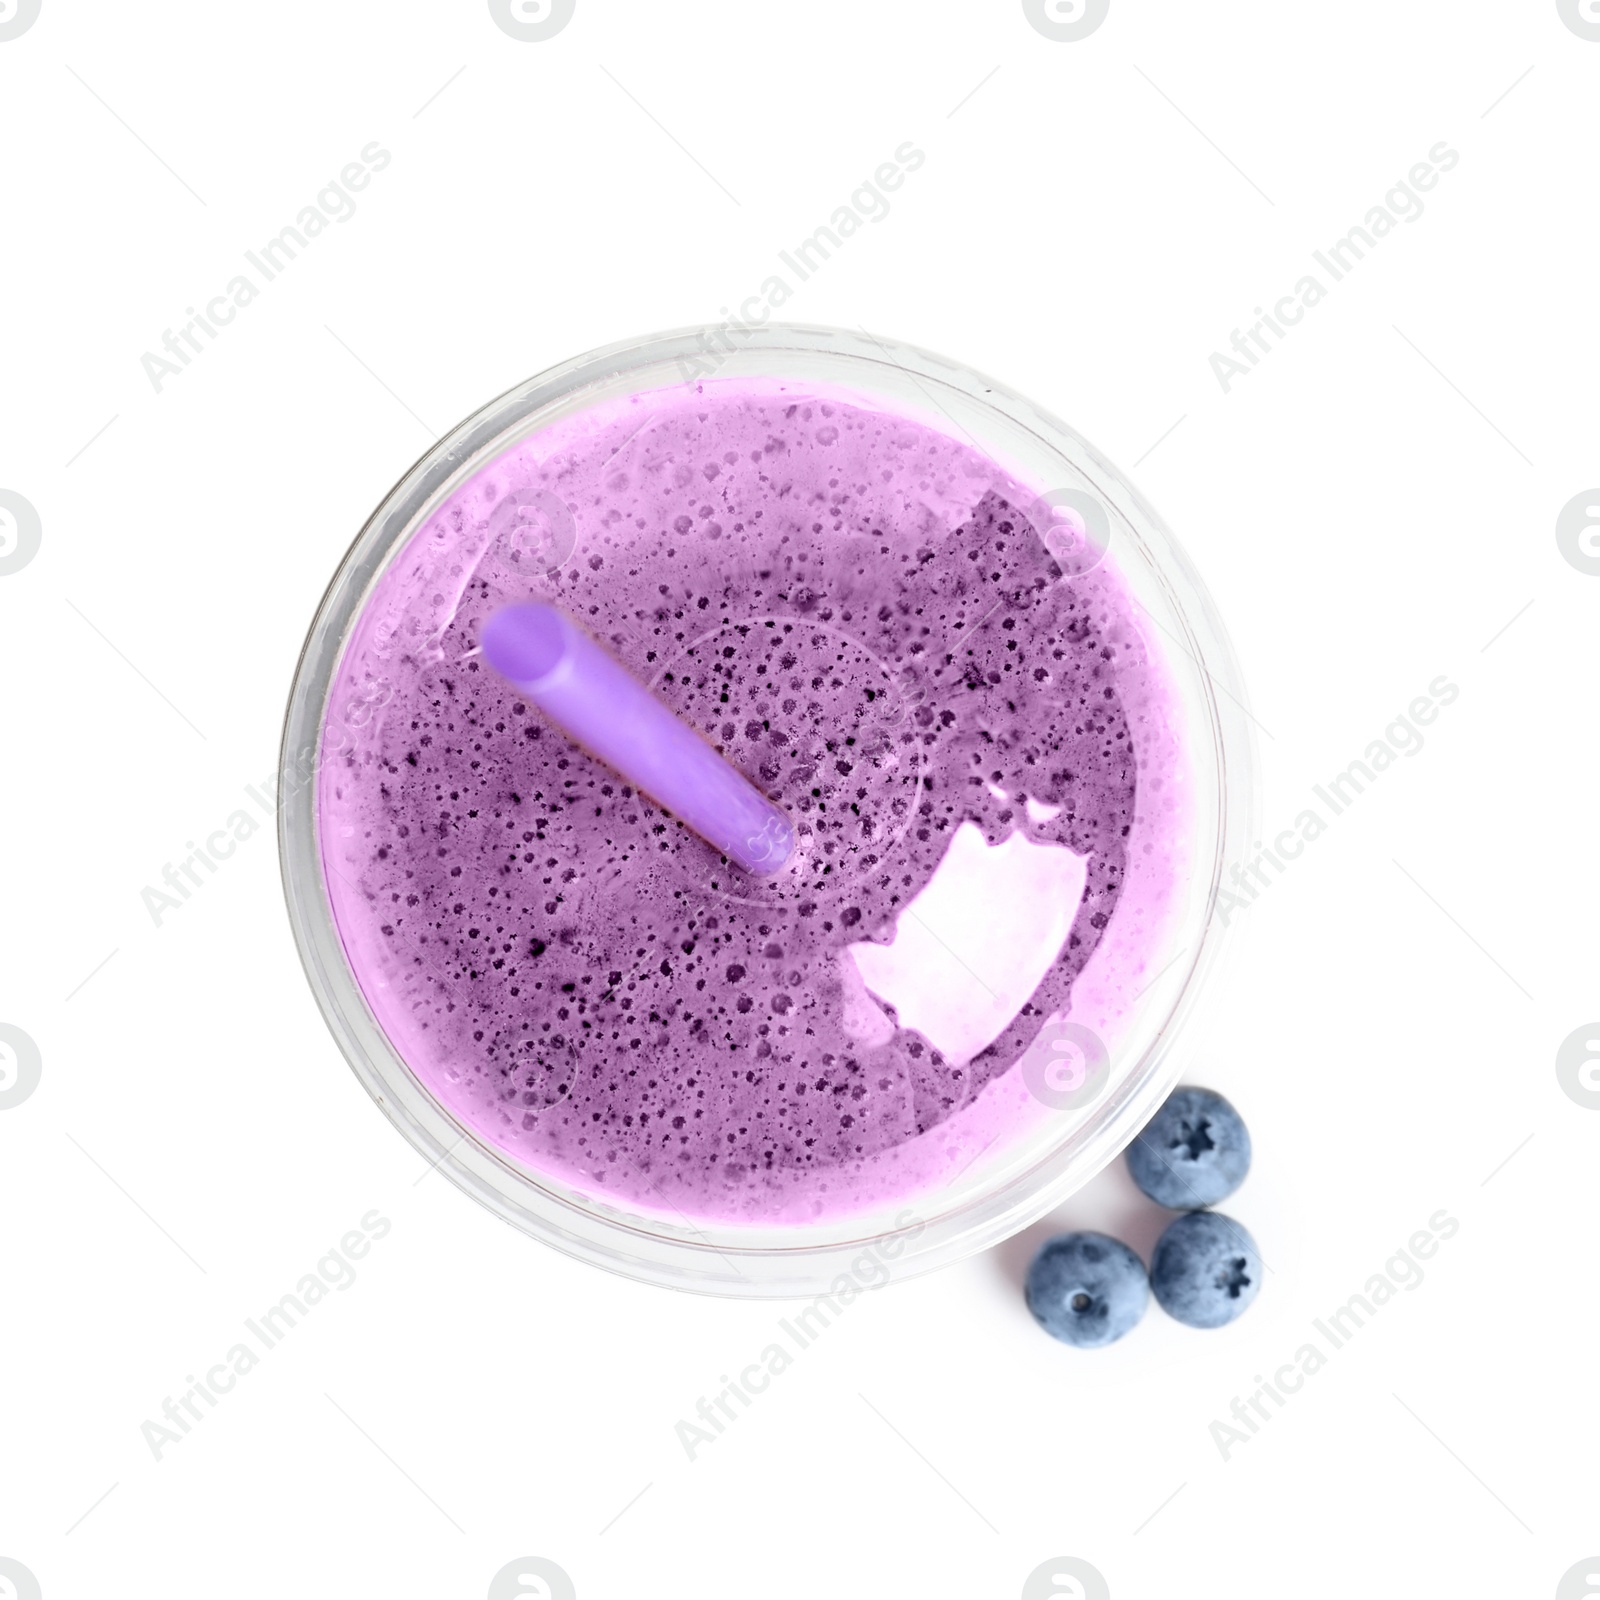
(1371, 507)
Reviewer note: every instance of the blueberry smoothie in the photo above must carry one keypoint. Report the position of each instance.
(973, 736)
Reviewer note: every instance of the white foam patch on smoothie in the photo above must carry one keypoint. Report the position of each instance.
(971, 948)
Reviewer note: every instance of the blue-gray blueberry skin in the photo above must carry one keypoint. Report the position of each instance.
(1087, 1289)
(1206, 1270)
(1194, 1152)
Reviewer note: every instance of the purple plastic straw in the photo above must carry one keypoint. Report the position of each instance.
(595, 700)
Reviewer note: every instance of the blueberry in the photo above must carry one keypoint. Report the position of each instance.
(1086, 1289)
(1206, 1269)
(1194, 1152)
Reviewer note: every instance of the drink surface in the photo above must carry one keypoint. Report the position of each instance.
(979, 753)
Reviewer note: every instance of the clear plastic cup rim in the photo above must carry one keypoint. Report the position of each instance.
(997, 1200)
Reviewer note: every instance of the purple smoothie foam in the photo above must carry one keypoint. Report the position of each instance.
(857, 610)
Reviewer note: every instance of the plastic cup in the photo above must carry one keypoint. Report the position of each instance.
(1095, 1072)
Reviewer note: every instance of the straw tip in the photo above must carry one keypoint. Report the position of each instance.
(768, 850)
(524, 642)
